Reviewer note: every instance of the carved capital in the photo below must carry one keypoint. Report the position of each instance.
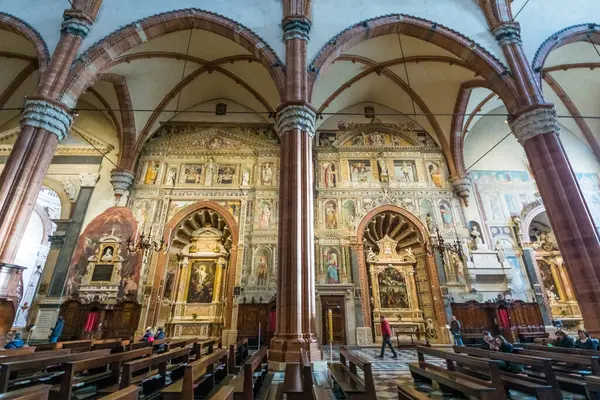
(48, 115)
(299, 117)
(88, 179)
(121, 180)
(76, 23)
(462, 187)
(508, 33)
(56, 241)
(296, 28)
(533, 122)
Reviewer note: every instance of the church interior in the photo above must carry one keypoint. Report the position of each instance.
(284, 188)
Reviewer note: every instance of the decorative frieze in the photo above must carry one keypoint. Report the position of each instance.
(294, 117)
(509, 33)
(43, 114)
(535, 122)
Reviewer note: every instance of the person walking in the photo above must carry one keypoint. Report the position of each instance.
(386, 332)
(57, 330)
(455, 330)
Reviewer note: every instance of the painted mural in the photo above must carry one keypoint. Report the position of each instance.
(120, 224)
(202, 277)
(330, 261)
(405, 171)
(392, 289)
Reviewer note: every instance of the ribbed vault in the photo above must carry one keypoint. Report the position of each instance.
(396, 227)
(199, 219)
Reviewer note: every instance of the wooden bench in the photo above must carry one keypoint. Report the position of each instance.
(48, 346)
(36, 356)
(78, 346)
(347, 379)
(248, 382)
(16, 352)
(406, 392)
(592, 387)
(98, 374)
(39, 392)
(297, 382)
(554, 349)
(238, 353)
(200, 346)
(542, 385)
(114, 345)
(129, 393)
(563, 362)
(9, 372)
(225, 393)
(201, 374)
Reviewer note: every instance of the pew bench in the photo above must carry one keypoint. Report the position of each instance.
(568, 363)
(298, 381)
(346, 377)
(16, 352)
(78, 346)
(238, 354)
(129, 393)
(38, 370)
(101, 372)
(39, 392)
(408, 392)
(252, 377)
(200, 346)
(225, 393)
(543, 385)
(36, 355)
(201, 374)
(592, 387)
(48, 346)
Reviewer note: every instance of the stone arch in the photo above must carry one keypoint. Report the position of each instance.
(486, 65)
(430, 264)
(570, 34)
(99, 56)
(528, 214)
(233, 256)
(16, 25)
(65, 201)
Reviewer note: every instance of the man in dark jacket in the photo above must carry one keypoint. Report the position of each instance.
(455, 331)
(386, 332)
(488, 341)
(564, 340)
(57, 331)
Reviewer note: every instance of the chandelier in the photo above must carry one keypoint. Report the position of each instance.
(438, 244)
(146, 244)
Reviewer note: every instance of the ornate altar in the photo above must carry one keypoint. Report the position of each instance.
(102, 277)
(394, 288)
(200, 295)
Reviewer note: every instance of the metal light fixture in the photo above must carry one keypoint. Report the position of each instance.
(146, 244)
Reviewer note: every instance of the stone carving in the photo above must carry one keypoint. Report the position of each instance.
(296, 28)
(462, 187)
(383, 170)
(508, 33)
(539, 121)
(296, 117)
(476, 235)
(245, 178)
(70, 189)
(51, 116)
(266, 175)
(89, 179)
(121, 180)
(210, 171)
(76, 23)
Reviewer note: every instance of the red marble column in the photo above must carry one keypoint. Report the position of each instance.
(537, 130)
(44, 122)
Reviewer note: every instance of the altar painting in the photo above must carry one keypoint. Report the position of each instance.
(192, 173)
(202, 279)
(392, 289)
(405, 171)
(360, 171)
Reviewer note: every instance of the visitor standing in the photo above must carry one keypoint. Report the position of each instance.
(455, 330)
(386, 332)
(57, 330)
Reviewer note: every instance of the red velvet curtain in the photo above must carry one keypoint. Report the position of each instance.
(503, 317)
(92, 321)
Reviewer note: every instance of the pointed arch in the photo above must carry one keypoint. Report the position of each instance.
(16, 25)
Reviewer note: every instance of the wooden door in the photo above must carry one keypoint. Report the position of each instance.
(337, 305)
(250, 316)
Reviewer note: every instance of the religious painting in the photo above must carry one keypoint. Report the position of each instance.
(376, 139)
(360, 171)
(393, 292)
(265, 211)
(330, 262)
(446, 213)
(169, 282)
(435, 173)
(227, 174)
(329, 175)
(192, 173)
(518, 279)
(326, 138)
(266, 174)
(594, 206)
(143, 213)
(398, 140)
(494, 208)
(511, 204)
(202, 277)
(491, 176)
(171, 176)
(548, 281)
(261, 266)
(120, 224)
(426, 209)
(151, 173)
(175, 206)
(405, 171)
(349, 210)
(331, 219)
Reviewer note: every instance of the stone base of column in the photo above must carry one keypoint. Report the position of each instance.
(364, 336)
(287, 350)
(229, 337)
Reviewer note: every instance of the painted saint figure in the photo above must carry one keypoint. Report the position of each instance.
(332, 267)
(262, 271)
(266, 174)
(151, 173)
(329, 176)
(435, 174)
(330, 215)
(265, 217)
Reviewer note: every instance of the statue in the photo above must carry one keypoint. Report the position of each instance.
(370, 254)
(429, 223)
(211, 170)
(459, 268)
(266, 175)
(500, 253)
(245, 178)
(383, 171)
(476, 235)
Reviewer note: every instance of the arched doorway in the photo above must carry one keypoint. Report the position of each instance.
(398, 276)
(195, 292)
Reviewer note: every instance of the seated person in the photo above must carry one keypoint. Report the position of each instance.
(505, 346)
(148, 336)
(160, 334)
(585, 342)
(564, 340)
(488, 341)
(16, 343)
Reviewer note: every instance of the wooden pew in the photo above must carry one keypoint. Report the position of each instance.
(202, 374)
(39, 392)
(247, 383)
(160, 345)
(103, 377)
(20, 367)
(78, 346)
(238, 353)
(452, 382)
(199, 346)
(129, 393)
(36, 355)
(592, 362)
(114, 345)
(297, 382)
(407, 392)
(592, 387)
(155, 365)
(554, 349)
(225, 393)
(16, 352)
(48, 346)
(543, 385)
(347, 379)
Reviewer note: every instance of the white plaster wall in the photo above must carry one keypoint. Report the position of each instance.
(330, 17)
(103, 196)
(30, 244)
(331, 121)
(233, 115)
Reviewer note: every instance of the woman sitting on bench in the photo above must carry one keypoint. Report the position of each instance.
(585, 342)
(505, 346)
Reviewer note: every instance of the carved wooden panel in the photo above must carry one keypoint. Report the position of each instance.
(249, 318)
(337, 305)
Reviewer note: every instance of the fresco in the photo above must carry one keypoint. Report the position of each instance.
(392, 289)
(202, 277)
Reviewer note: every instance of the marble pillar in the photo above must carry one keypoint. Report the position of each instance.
(537, 128)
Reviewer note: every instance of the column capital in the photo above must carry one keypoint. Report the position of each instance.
(296, 27)
(508, 33)
(533, 121)
(296, 116)
(462, 187)
(121, 180)
(76, 22)
(89, 179)
(48, 114)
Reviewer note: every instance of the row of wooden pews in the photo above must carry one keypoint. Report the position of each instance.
(346, 378)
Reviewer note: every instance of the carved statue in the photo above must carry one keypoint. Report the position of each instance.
(245, 178)
(429, 223)
(211, 170)
(500, 253)
(383, 170)
(459, 268)
(371, 254)
(476, 235)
